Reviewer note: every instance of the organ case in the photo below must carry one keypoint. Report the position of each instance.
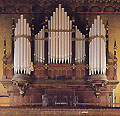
(59, 69)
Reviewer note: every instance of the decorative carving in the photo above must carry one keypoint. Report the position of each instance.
(46, 66)
(22, 81)
(97, 82)
(73, 66)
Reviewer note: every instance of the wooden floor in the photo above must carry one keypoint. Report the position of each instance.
(47, 111)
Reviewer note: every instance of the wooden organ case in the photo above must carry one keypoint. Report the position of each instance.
(60, 66)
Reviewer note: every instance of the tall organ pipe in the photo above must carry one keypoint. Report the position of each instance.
(54, 39)
(49, 43)
(60, 33)
(22, 49)
(25, 47)
(70, 41)
(51, 38)
(63, 36)
(56, 36)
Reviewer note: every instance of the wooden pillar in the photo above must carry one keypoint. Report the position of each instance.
(12, 37)
(46, 40)
(87, 47)
(32, 40)
(107, 47)
(4, 61)
(46, 47)
(73, 47)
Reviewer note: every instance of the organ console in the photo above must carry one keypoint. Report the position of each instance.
(57, 70)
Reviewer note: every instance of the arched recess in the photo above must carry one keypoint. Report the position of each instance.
(109, 9)
(119, 9)
(95, 9)
(38, 9)
(24, 9)
(51, 9)
(10, 9)
(0, 9)
(68, 9)
(81, 9)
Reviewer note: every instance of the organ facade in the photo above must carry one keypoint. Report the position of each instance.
(60, 65)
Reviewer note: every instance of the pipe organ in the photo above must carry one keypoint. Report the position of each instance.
(80, 47)
(59, 63)
(39, 46)
(97, 49)
(60, 37)
(22, 47)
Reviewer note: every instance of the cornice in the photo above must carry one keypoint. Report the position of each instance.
(46, 5)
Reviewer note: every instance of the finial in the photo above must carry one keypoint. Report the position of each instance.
(115, 48)
(46, 19)
(73, 19)
(5, 47)
(13, 24)
(106, 27)
(87, 26)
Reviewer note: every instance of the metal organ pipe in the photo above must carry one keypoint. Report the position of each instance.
(25, 47)
(43, 43)
(90, 55)
(16, 51)
(54, 39)
(49, 43)
(22, 49)
(22, 44)
(19, 43)
(60, 34)
(63, 36)
(97, 51)
(51, 36)
(70, 41)
(76, 43)
(56, 36)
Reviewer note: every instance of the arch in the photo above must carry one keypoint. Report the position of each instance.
(81, 9)
(37, 9)
(51, 9)
(10, 9)
(0, 9)
(95, 9)
(67, 9)
(24, 9)
(109, 9)
(119, 9)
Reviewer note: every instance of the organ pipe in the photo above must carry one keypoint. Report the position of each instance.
(56, 35)
(70, 41)
(22, 49)
(60, 34)
(63, 36)
(49, 42)
(97, 50)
